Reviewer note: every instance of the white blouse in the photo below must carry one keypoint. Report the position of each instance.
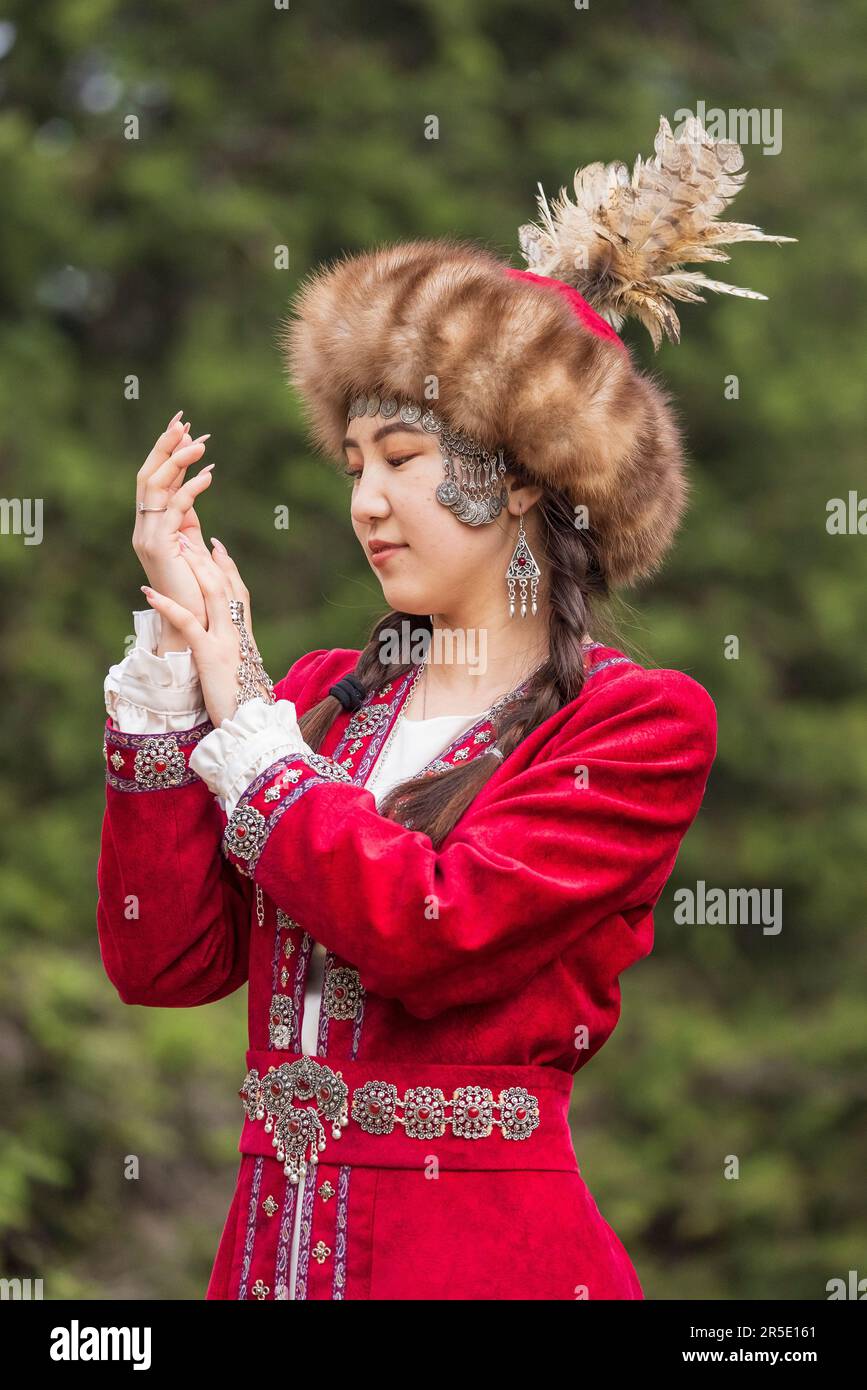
(146, 693)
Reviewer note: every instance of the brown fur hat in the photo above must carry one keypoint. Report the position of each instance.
(518, 363)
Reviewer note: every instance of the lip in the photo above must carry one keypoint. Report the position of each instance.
(379, 556)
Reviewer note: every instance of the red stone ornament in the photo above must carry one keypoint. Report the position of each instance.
(299, 1134)
(343, 992)
(280, 1020)
(245, 834)
(159, 763)
(375, 1107)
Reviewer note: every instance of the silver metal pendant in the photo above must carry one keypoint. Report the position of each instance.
(159, 763)
(342, 992)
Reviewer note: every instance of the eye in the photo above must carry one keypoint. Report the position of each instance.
(356, 472)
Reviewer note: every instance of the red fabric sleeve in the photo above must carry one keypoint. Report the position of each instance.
(173, 918)
(532, 865)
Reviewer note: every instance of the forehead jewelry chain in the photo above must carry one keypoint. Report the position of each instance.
(253, 680)
(478, 495)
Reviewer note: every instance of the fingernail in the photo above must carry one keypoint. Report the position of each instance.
(201, 439)
(218, 545)
(145, 590)
(206, 468)
(184, 543)
(175, 419)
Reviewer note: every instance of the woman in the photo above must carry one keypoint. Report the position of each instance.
(430, 865)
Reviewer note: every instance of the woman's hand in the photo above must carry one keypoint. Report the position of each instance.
(160, 483)
(216, 648)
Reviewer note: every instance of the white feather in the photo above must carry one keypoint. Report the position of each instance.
(624, 240)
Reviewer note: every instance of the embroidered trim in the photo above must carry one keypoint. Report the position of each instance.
(251, 1228)
(372, 721)
(305, 1231)
(338, 1283)
(151, 762)
(248, 828)
(120, 739)
(284, 1244)
(609, 661)
(303, 1263)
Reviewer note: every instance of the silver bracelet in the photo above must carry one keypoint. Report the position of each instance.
(253, 680)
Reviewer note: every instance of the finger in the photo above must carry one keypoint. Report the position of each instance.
(225, 563)
(213, 584)
(180, 505)
(191, 528)
(170, 514)
(180, 618)
(185, 439)
(163, 446)
(168, 475)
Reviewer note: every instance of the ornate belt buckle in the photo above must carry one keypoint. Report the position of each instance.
(297, 1128)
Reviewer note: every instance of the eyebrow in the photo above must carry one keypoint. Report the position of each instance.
(398, 427)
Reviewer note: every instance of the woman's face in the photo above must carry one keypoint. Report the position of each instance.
(395, 470)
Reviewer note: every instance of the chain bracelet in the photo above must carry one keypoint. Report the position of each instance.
(253, 680)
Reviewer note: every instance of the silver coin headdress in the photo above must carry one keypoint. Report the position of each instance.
(477, 496)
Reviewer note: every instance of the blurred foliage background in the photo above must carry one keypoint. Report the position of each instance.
(154, 258)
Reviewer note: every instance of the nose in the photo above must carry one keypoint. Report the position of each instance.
(369, 499)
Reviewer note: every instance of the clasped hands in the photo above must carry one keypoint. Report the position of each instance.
(216, 649)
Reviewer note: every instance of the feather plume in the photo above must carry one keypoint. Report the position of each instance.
(624, 241)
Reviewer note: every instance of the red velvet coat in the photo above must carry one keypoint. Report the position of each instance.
(464, 985)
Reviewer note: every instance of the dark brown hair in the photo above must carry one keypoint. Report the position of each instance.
(434, 803)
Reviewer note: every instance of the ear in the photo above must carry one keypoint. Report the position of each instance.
(522, 496)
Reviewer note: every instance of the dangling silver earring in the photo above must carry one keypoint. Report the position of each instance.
(522, 567)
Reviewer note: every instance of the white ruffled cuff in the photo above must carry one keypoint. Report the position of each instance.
(150, 694)
(230, 757)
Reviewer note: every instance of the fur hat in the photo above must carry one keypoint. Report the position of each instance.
(522, 360)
